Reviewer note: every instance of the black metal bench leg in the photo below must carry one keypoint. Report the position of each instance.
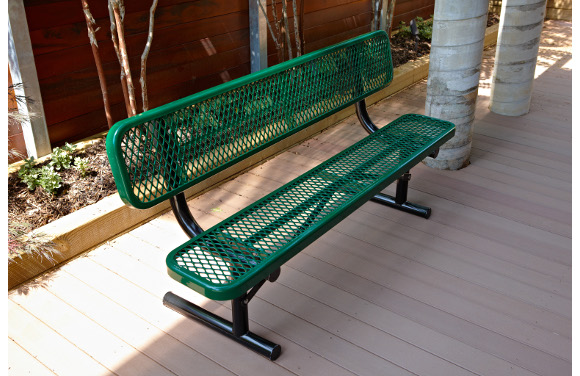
(400, 200)
(238, 330)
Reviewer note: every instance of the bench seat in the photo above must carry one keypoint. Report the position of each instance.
(227, 260)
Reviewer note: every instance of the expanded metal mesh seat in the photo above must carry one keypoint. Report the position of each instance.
(157, 155)
(230, 258)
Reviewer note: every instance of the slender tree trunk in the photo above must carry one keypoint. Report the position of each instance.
(286, 28)
(93, 39)
(376, 7)
(390, 14)
(124, 57)
(302, 43)
(516, 55)
(279, 31)
(274, 36)
(454, 68)
(296, 29)
(115, 40)
(145, 55)
(281, 35)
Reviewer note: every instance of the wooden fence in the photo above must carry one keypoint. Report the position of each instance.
(196, 45)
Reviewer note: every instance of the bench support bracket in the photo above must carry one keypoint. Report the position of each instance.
(238, 329)
(183, 215)
(400, 200)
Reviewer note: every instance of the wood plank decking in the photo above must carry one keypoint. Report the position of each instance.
(483, 287)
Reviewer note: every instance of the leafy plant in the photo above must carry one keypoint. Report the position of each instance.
(424, 29)
(29, 174)
(21, 241)
(404, 30)
(61, 157)
(49, 179)
(82, 164)
(44, 177)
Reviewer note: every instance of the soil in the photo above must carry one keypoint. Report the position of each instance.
(404, 50)
(39, 207)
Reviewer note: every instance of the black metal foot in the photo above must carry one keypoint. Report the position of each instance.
(252, 341)
(406, 206)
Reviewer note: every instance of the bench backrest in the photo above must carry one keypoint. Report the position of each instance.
(163, 151)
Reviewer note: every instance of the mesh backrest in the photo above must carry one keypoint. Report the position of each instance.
(162, 152)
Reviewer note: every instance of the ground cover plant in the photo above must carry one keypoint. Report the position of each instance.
(41, 193)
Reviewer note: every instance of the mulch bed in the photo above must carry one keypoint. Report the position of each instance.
(39, 207)
(405, 50)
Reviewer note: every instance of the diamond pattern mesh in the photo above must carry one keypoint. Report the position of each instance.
(170, 152)
(231, 257)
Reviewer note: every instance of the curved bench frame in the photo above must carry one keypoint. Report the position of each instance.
(239, 329)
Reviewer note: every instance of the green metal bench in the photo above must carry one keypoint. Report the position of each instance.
(156, 155)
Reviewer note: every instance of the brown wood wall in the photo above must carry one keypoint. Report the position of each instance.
(196, 45)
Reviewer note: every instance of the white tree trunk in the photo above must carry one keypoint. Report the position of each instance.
(454, 67)
(516, 54)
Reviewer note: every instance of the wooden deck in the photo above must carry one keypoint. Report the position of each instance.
(483, 287)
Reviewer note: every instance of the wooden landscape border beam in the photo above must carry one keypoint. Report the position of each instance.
(91, 226)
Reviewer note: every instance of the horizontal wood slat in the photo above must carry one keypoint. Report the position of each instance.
(194, 42)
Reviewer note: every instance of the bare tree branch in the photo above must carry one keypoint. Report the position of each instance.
(390, 13)
(296, 29)
(274, 37)
(90, 22)
(285, 18)
(302, 43)
(116, 46)
(145, 55)
(123, 51)
(375, 8)
(278, 31)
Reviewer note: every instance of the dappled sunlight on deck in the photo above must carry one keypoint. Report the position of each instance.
(482, 287)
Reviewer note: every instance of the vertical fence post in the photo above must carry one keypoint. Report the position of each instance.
(258, 35)
(23, 70)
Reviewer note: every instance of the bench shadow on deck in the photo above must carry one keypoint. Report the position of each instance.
(482, 287)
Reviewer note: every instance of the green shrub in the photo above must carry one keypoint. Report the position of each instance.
(69, 148)
(404, 31)
(29, 174)
(424, 28)
(49, 179)
(44, 177)
(61, 159)
(82, 164)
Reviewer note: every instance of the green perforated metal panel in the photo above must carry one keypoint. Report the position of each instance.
(230, 258)
(163, 151)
